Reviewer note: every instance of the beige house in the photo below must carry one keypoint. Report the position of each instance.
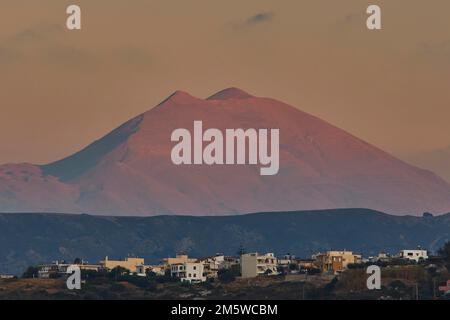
(254, 264)
(132, 264)
(336, 261)
(180, 258)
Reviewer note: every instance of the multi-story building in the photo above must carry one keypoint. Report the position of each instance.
(287, 264)
(188, 271)
(286, 260)
(305, 265)
(132, 264)
(335, 261)
(49, 270)
(180, 258)
(415, 255)
(211, 265)
(230, 262)
(59, 268)
(254, 264)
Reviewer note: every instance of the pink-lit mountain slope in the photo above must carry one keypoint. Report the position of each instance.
(130, 172)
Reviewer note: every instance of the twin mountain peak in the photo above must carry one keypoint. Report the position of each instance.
(129, 171)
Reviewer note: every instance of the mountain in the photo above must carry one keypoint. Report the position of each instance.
(32, 238)
(436, 160)
(130, 172)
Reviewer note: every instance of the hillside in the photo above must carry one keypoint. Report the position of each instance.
(31, 238)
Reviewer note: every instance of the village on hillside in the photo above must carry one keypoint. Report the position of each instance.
(408, 274)
(247, 265)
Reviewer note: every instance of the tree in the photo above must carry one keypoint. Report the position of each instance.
(282, 270)
(31, 272)
(226, 275)
(397, 285)
(444, 253)
(150, 274)
(268, 272)
(94, 274)
(427, 215)
(166, 278)
(138, 281)
(329, 287)
(118, 272)
(293, 266)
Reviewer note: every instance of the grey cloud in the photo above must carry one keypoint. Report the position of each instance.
(259, 18)
(41, 32)
(68, 56)
(16, 47)
(256, 19)
(46, 43)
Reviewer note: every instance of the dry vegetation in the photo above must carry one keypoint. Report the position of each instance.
(398, 282)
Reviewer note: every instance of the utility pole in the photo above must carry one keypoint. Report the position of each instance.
(303, 291)
(417, 291)
(434, 288)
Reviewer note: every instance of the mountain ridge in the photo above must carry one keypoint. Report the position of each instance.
(33, 238)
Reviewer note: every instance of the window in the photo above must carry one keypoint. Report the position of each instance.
(195, 268)
(195, 275)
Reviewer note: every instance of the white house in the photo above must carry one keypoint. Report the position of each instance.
(188, 271)
(416, 255)
(254, 264)
(211, 265)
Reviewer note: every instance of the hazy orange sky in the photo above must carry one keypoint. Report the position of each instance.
(60, 89)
